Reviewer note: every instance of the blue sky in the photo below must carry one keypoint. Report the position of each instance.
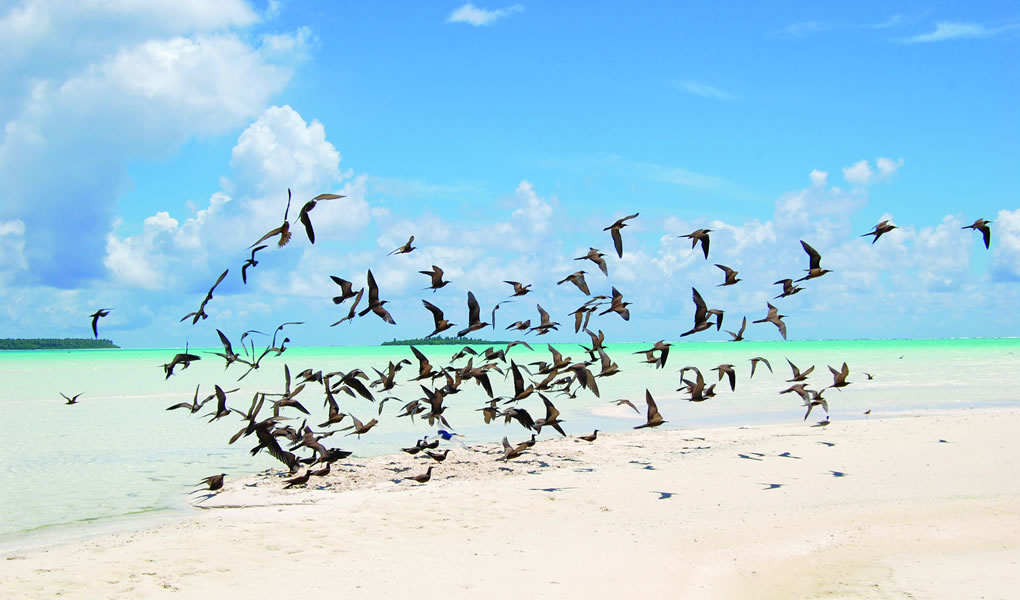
(147, 145)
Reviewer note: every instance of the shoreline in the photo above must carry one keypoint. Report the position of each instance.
(910, 514)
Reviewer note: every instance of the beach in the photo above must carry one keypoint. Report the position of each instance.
(915, 504)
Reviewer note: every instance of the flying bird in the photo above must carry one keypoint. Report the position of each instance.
(788, 288)
(654, 418)
(699, 235)
(374, 304)
(814, 262)
(251, 262)
(403, 249)
(72, 399)
(283, 230)
(307, 208)
(775, 318)
(437, 278)
(614, 230)
(200, 313)
(102, 312)
(596, 257)
(441, 323)
(346, 289)
(474, 317)
(759, 359)
(739, 335)
(731, 275)
(982, 226)
(883, 227)
(519, 289)
(578, 280)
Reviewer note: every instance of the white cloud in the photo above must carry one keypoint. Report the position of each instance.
(1006, 236)
(818, 178)
(887, 166)
(945, 30)
(471, 14)
(704, 90)
(859, 173)
(12, 245)
(533, 210)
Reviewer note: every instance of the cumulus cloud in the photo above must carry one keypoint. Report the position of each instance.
(1006, 256)
(12, 245)
(471, 14)
(861, 173)
(72, 127)
(533, 210)
(818, 178)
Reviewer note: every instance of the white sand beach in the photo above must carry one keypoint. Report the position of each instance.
(927, 506)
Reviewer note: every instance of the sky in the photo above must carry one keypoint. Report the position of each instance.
(147, 145)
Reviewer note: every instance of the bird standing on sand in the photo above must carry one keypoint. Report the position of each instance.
(982, 226)
(102, 312)
(614, 230)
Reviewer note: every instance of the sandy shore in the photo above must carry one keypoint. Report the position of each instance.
(917, 506)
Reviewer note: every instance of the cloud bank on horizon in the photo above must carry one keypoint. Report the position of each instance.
(145, 153)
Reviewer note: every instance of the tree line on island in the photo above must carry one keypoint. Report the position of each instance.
(54, 344)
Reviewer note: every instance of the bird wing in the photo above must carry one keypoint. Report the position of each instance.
(815, 258)
(306, 221)
(617, 241)
(373, 289)
(474, 311)
(437, 314)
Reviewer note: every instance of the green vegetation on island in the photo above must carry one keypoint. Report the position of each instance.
(54, 344)
(443, 341)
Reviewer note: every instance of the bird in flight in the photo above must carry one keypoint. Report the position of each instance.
(200, 313)
(283, 230)
(814, 262)
(982, 226)
(614, 230)
(102, 312)
(883, 226)
(699, 235)
(405, 248)
(307, 208)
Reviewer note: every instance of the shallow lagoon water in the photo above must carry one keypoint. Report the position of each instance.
(119, 455)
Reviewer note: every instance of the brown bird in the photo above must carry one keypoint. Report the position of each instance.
(437, 315)
(654, 418)
(359, 427)
(982, 226)
(74, 399)
(437, 278)
(200, 313)
(102, 312)
(839, 377)
(194, 406)
(346, 289)
(578, 280)
(814, 262)
(596, 257)
(405, 248)
(354, 308)
(699, 235)
(883, 227)
(739, 335)
(519, 289)
(589, 438)
(614, 230)
(307, 208)
(424, 477)
(513, 451)
(798, 375)
(551, 419)
(788, 288)
(299, 480)
(618, 306)
(437, 456)
(622, 401)
(701, 312)
(727, 369)
(474, 317)
(775, 318)
(181, 358)
(283, 230)
(731, 275)
(758, 359)
(374, 304)
(214, 482)
(251, 262)
(546, 324)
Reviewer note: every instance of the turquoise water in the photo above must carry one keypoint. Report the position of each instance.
(119, 453)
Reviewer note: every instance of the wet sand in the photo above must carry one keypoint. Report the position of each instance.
(924, 505)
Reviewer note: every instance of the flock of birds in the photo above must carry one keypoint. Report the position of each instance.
(559, 375)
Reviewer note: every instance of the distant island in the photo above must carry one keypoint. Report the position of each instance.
(442, 341)
(54, 344)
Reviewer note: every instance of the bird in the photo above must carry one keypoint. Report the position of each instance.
(405, 248)
(437, 278)
(839, 377)
(731, 275)
(614, 230)
(701, 312)
(474, 317)
(194, 406)
(307, 208)
(374, 304)
(200, 313)
(775, 318)
(359, 427)
(181, 358)
(441, 323)
(513, 451)
(346, 289)
(589, 438)
(283, 230)
(623, 401)
(759, 359)
(596, 257)
(814, 262)
(739, 335)
(546, 324)
(354, 308)
(618, 306)
(519, 288)
(788, 288)
(883, 227)
(251, 262)
(699, 235)
(577, 279)
(214, 482)
(102, 312)
(654, 418)
(798, 375)
(982, 226)
(72, 399)
(299, 480)
(424, 477)
(727, 369)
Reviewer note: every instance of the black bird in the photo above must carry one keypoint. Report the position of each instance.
(982, 226)
(883, 227)
(283, 230)
(214, 482)
(374, 304)
(72, 399)
(102, 312)
(437, 315)
(424, 477)
(200, 313)
(251, 262)
(437, 278)
(474, 317)
(346, 289)
(307, 208)
(614, 230)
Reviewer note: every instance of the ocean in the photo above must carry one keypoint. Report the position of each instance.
(118, 456)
